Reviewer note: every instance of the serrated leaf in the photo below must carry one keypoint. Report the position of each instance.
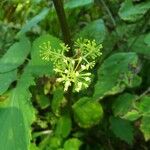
(122, 104)
(77, 3)
(42, 67)
(34, 21)
(72, 144)
(6, 79)
(122, 129)
(87, 113)
(63, 127)
(95, 30)
(116, 73)
(16, 115)
(145, 127)
(130, 12)
(10, 61)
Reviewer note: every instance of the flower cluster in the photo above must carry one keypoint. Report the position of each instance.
(72, 70)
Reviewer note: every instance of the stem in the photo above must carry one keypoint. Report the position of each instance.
(109, 12)
(58, 4)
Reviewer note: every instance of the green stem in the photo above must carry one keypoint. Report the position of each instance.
(58, 4)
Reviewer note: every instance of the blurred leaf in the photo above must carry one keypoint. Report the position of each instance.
(132, 115)
(140, 45)
(144, 106)
(6, 79)
(116, 73)
(122, 129)
(130, 12)
(15, 56)
(77, 3)
(63, 127)
(58, 100)
(123, 104)
(34, 21)
(72, 144)
(87, 113)
(145, 127)
(95, 30)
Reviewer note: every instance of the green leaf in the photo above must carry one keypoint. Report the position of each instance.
(58, 100)
(123, 104)
(122, 129)
(77, 3)
(132, 115)
(72, 144)
(140, 45)
(130, 12)
(144, 106)
(63, 127)
(95, 30)
(38, 66)
(6, 79)
(16, 115)
(87, 113)
(10, 61)
(145, 127)
(116, 73)
(34, 21)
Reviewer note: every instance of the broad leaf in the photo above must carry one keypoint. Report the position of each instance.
(95, 30)
(122, 129)
(6, 79)
(15, 56)
(77, 3)
(87, 113)
(130, 12)
(16, 115)
(116, 73)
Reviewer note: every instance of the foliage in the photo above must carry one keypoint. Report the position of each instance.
(91, 92)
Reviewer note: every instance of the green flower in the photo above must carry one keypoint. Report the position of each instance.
(72, 70)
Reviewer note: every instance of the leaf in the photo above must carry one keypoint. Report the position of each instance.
(77, 3)
(10, 61)
(122, 129)
(95, 30)
(72, 144)
(63, 127)
(6, 79)
(144, 106)
(87, 113)
(145, 127)
(38, 66)
(130, 12)
(116, 73)
(16, 115)
(34, 21)
(140, 45)
(58, 100)
(123, 104)
(132, 115)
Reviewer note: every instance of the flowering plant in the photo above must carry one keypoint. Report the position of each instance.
(72, 70)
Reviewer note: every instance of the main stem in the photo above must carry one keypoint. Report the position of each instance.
(63, 24)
